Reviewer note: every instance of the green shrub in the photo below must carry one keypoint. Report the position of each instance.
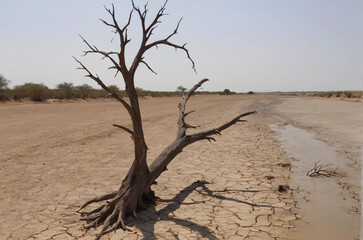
(114, 88)
(3, 83)
(3, 88)
(34, 91)
(66, 90)
(83, 91)
(226, 92)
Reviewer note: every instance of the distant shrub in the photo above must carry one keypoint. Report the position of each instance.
(114, 88)
(181, 90)
(84, 91)
(3, 87)
(348, 94)
(3, 82)
(67, 90)
(227, 92)
(250, 92)
(34, 91)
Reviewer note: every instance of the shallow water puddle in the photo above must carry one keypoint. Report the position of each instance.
(325, 210)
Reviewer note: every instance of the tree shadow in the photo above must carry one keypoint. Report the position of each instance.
(148, 218)
(206, 191)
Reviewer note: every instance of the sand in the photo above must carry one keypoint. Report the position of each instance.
(56, 156)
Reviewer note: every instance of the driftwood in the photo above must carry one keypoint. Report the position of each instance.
(322, 170)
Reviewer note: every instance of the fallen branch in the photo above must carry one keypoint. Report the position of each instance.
(322, 170)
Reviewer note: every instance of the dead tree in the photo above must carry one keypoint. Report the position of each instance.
(135, 191)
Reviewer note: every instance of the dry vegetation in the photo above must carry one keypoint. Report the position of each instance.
(40, 92)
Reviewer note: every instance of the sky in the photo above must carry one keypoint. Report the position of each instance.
(241, 45)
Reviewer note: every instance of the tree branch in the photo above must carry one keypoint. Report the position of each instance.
(122, 32)
(182, 105)
(154, 23)
(100, 82)
(205, 135)
(166, 42)
(94, 49)
(322, 170)
(147, 65)
(148, 31)
(126, 130)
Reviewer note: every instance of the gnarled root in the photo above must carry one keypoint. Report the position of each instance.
(99, 199)
(112, 214)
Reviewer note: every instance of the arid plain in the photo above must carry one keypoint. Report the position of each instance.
(55, 156)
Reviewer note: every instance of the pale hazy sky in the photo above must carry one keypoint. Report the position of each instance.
(258, 45)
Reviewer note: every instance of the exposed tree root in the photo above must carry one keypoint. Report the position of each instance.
(99, 199)
(111, 214)
(117, 207)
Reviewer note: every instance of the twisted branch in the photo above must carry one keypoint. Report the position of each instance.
(183, 126)
(205, 135)
(147, 31)
(100, 82)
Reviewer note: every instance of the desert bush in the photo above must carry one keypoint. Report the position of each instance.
(140, 91)
(180, 89)
(348, 94)
(250, 92)
(3, 82)
(84, 91)
(117, 90)
(34, 91)
(3, 87)
(66, 90)
(114, 88)
(226, 92)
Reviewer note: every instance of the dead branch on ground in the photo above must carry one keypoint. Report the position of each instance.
(322, 170)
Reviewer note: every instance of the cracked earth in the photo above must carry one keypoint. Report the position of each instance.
(54, 157)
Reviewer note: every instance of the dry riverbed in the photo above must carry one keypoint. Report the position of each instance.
(56, 156)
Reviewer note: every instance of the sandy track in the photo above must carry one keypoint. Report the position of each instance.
(56, 156)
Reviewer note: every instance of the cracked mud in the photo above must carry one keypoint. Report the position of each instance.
(56, 156)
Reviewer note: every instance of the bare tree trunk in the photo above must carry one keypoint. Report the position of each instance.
(135, 191)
